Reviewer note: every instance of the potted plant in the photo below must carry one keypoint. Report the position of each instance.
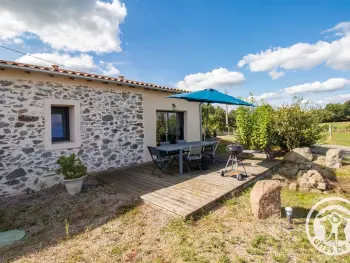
(73, 171)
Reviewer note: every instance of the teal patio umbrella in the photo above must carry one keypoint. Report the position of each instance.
(210, 96)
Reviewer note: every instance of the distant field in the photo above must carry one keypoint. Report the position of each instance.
(340, 133)
(225, 140)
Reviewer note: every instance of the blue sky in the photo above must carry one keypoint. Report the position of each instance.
(164, 41)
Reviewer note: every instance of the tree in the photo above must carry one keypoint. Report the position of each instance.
(232, 118)
(338, 111)
(347, 108)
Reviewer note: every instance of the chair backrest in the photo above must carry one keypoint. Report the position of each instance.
(153, 152)
(215, 146)
(196, 150)
(181, 141)
(164, 143)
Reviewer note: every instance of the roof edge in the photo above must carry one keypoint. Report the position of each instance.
(130, 83)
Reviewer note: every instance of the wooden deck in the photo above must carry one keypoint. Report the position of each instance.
(183, 195)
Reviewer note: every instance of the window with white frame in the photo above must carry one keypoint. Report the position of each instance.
(62, 124)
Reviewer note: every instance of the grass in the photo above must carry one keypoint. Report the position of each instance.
(339, 134)
(338, 138)
(145, 234)
(225, 140)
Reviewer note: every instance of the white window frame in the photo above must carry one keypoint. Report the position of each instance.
(74, 124)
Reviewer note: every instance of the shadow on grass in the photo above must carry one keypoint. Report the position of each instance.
(51, 216)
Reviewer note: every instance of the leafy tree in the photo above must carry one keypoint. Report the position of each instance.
(262, 127)
(347, 108)
(338, 111)
(216, 118)
(244, 122)
(232, 118)
(324, 115)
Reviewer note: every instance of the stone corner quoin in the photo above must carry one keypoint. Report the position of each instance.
(111, 123)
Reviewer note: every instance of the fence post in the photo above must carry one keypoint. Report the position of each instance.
(330, 130)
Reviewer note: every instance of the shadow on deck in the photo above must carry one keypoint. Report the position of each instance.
(183, 195)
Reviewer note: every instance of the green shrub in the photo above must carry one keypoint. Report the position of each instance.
(286, 127)
(296, 125)
(71, 167)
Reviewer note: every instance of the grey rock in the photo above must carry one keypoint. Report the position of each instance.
(134, 146)
(5, 83)
(4, 124)
(28, 150)
(23, 133)
(16, 174)
(28, 118)
(112, 157)
(106, 141)
(46, 155)
(13, 182)
(19, 124)
(107, 118)
(334, 158)
(107, 153)
(299, 155)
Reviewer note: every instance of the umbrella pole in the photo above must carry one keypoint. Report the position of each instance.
(206, 122)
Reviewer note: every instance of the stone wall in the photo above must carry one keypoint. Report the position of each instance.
(111, 131)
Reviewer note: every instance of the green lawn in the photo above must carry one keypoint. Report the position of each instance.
(339, 134)
(225, 140)
(338, 138)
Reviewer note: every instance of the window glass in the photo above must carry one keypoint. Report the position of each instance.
(170, 126)
(60, 124)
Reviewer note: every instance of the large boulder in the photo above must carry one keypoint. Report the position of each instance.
(288, 170)
(334, 158)
(265, 199)
(299, 156)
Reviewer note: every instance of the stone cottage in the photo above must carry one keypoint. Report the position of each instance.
(46, 112)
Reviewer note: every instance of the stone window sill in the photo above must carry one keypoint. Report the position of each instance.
(62, 145)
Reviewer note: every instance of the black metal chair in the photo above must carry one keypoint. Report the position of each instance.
(195, 154)
(161, 161)
(210, 152)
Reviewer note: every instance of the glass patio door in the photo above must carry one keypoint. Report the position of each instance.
(170, 126)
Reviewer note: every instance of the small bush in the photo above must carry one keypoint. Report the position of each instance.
(296, 126)
(284, 127)
(71, 167)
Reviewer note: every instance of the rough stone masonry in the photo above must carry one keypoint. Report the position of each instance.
(111, 131)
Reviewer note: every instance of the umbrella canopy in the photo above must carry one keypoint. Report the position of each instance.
(210, 96)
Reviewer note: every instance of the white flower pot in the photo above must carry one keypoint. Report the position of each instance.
(74, 186)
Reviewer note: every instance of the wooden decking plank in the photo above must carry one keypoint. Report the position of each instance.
(173, 205)
(168, 178)
(187, 194)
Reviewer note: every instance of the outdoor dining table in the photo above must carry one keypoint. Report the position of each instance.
(183, 146)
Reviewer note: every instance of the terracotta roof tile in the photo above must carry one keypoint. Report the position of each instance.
(92, 76)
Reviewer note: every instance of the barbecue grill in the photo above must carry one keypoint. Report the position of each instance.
(234, 150)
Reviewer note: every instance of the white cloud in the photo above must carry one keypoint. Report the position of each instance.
(89, 25)
(109, 69)
(335, 99)
(341, 29)
(335, 54)
(266, 96)
(328, 85)
(217, 78)
(82, 62)
(274, 74)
